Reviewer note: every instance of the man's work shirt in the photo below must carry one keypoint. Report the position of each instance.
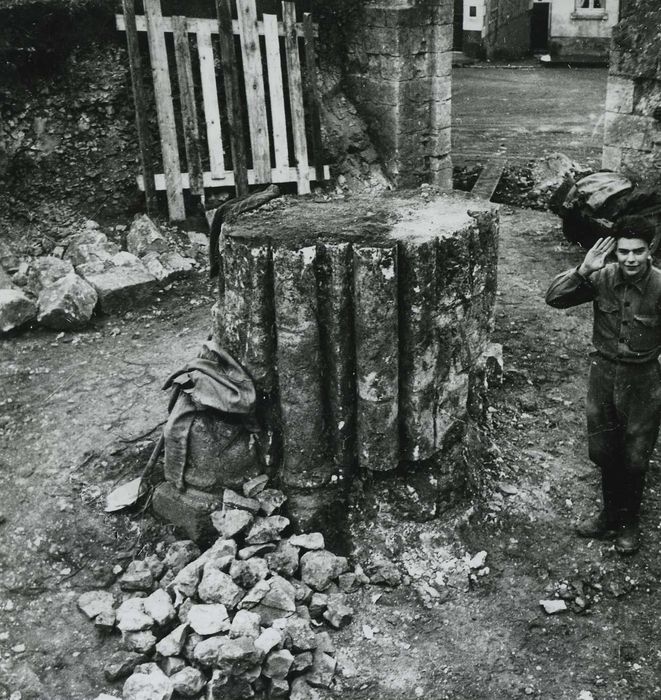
(627, 315)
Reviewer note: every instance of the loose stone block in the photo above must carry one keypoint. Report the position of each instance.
(16, 310)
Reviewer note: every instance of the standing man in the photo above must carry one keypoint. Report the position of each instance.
(624, 389)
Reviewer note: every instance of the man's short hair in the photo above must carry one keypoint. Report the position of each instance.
(635, 227)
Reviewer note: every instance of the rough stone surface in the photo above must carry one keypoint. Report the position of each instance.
(45, 271)
(159, 607)
(297, 634)
(254, 486)
(131, 616)
(189, 511)
(181, 553)
(188, 682)
(121, 664)
(269, 639)
(172, 664)
(16, 309)
(208, 619)
(247, 573)
(144, 237)
(235, 501)
(277, 664)
(312, 540)
(270, 500)
(121, 287)
(153, 685)
(90, 246)
(245, 624)
(94, 602)
(142, 642)
(231, 523)
(256, 550)
(265, 530)
(218, 587)
(301, 690)
(320, 568)
(137, 577)
(173, 643)
(284, 560)
(338, 614)
(383, 572)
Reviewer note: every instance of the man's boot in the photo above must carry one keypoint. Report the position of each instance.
(628, 539)
(600, 527)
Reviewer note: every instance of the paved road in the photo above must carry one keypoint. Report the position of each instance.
(526, 112)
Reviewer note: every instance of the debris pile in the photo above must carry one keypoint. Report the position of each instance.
(248, 615)
(88, 271)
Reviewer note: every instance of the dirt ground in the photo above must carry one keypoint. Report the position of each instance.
(79, 412)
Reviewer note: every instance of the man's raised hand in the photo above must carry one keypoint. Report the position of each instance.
(595, 258)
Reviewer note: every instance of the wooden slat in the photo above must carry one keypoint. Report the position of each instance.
(188, 108)
(274, 67)
(201, 24)
(211, 109)
(233, 101)
(313, 95)
(489, 178)
(254, 82)
(164, 109)
(140, 100)
(296, 96)
(287, 174)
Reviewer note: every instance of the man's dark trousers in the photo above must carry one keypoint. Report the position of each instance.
(623, 412)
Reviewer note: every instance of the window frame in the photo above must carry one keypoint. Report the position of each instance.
(589, 12)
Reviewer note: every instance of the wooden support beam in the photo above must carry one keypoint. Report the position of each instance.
(164, 109)
(254, 82)
(276, 93)
(140, 100)
(233, 102)
(296, 96)
(188, 107)
(313, 95)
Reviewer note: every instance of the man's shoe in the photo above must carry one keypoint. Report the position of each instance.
(628, 540)
(596, 528)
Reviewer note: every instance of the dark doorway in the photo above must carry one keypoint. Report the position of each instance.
(539, 27)
(458, 34)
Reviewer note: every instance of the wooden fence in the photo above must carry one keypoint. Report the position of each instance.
(270, 129)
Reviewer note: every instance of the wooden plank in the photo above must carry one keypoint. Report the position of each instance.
(313, 95)
(255, 97)
(287, 174)
(276, 93)
(164, 109)
(211, 108)
(201, 24)
(296, 96)
(140, 100)
(233, 101)
(488, 180)
(188, 108)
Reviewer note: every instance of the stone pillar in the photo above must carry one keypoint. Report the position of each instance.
(399, 76)
(362, 322)
(632, 133)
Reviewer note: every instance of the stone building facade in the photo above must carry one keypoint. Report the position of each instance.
(632, 135)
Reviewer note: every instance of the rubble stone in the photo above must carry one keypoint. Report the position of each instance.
(348, 582)
(154, 685)
(278, 688)
(256, 550)
(187, 580)
(383, 572)
(303, 592)
(172, 664)
(313, 540)
(325, 643)
(218, 587)
(284, 560)
(270, 500)
(302, 662)
(230, 523)
(238, 655)
(269, 639)
(278, 601)
(45, 271)
(142, 642)
(320, 567)
(254, 486)
(338, 614)
(181, 553)
(67, 304)
(131, 616)
(188, 682)
(156, 566)
(121, 664)
(267, 529)
(94, 602)
(297, 634)
(159, 606)
(105, 620)
(318, 605)
(245, 624)
(234, 501)
(137, 577)
(16, 310)
(144, 237)
(121, 287)
(278, 663)
(300, 690)
(207, 651)
(192, 640)
(322, 671)
(208, 619)
(248, 573)
(90, 246)
(173, 643)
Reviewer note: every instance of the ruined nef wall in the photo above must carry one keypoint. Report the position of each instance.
(398, 73)
(632, 137)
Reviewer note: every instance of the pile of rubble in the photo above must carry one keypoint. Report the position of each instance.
(247, 616)
(87, 272)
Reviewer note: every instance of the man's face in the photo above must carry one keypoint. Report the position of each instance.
(632, 255)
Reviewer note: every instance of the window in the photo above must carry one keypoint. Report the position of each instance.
(590, 9)
(472, 10)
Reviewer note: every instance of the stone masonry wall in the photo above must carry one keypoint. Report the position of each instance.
(632, 136)
(398, 73)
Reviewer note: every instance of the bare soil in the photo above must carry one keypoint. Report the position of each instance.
(80, 412)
